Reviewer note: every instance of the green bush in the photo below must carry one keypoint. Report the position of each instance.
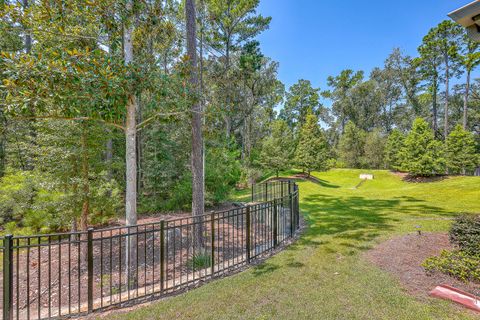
(17, 192)
(457, 264)
(336, 163)
(181, 195)
(421, 154)
(32, 202)
(250, 175)
(465, 233)
(222, 173)
(200, 261)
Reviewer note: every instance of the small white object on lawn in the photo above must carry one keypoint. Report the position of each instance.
(366, 176)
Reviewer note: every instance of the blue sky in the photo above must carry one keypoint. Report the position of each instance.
(313, 39)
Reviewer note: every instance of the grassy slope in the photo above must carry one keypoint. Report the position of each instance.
(323, 275)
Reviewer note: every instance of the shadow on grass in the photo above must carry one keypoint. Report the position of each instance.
(323, 183)
(269, 267)
(354, 219)
(350, 222)
(264, 268)
(318, 181)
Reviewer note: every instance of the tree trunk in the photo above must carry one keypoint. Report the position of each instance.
(28, 36)
(228, 125)
(139, 149)
(130, 156)
(198, 201)
(447, 96)
(465, 100)
(434, 108)
(85, 182)
(3, 142)
(30, 162)
(131, 163)
(109, 155)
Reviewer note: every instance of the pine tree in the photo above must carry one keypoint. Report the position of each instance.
(393, 148)
(312, 149)
(375, 149)
(461, 155)
(352, 145)
(277, 149)
(422, 154)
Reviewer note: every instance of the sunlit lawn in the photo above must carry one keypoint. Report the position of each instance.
(323, 275)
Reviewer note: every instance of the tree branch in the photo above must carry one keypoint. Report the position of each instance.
(71, 119)
(142, 124)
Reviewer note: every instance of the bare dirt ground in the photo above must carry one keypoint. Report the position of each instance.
(157, 217)
(403, 256)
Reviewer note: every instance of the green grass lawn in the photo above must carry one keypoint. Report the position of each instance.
(323, 275)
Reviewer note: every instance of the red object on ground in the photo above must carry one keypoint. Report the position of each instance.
(450, 293)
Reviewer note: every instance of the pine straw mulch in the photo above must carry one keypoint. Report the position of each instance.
(403, 256)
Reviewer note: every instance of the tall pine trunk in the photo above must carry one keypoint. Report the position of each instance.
(447, 96)
(198, 201)
(465, 100)
(434, 107)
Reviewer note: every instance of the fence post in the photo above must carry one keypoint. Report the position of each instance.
(266, 191)
(212, 224)
(297, 207)
(162, 255)
(292, 216)
(248, 235)
(90, 269)
(253, 192)
(275, 223)
(8, 277)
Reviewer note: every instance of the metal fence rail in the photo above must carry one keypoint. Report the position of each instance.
(70, 274)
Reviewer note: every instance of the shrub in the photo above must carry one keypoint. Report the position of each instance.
(200, 261)
(250, 175)
(222, 172)
(181, 195)
(457, 264)
(460, 151)
(38, 203)
(465, 233)
(17, 192)
(422, 155)
(336, 163)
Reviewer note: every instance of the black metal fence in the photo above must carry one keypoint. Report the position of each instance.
(72, 274)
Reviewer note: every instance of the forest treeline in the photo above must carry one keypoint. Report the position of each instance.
(105, 108)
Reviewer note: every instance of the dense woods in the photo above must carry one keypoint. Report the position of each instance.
(114, 107)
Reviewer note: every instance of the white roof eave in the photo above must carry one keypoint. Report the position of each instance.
(464, 15)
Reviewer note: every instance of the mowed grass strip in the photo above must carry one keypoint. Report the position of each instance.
(323, 275)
